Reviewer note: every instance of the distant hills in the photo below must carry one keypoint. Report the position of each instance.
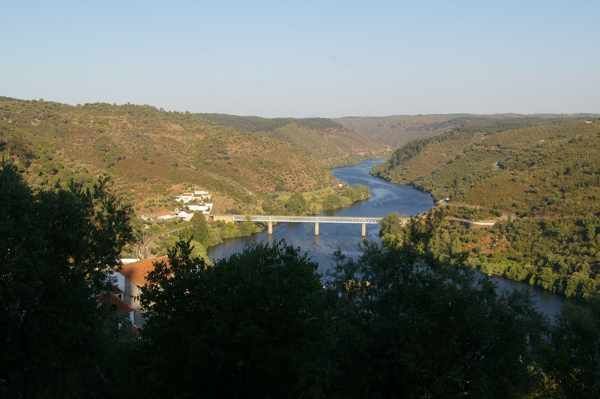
(322, 138)
(397, 130)
(542, 169)
(152, 153)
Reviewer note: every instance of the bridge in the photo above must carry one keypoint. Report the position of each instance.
(270, 219)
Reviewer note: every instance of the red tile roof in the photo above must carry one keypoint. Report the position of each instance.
(137, 272)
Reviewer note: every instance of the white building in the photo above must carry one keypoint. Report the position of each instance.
(185, 198)
(196, 195)
(185, 215)
(170, 216)
(204, 208)
(202, 195)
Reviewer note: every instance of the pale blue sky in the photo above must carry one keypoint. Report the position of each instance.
(306, 58)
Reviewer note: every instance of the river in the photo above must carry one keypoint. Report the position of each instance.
(385, 198)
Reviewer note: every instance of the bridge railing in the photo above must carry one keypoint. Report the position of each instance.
(300, 219)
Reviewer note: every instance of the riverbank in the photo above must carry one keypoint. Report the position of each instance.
(156, 238)
(385, 198)
(382, 199)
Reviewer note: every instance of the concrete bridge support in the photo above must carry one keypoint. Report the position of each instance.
(317, 220)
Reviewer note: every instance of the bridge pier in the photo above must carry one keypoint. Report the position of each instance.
(317, 220)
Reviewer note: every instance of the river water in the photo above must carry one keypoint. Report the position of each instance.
(385, 198)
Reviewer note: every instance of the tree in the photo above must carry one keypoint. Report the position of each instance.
(57, 248)
(296, 205)
(390, 231)
(251, 325)
(142, 245)
(199, 228)
(573, 355)
(428, 330)
(332, 201)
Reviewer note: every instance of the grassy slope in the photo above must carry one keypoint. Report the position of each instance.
(153, 153)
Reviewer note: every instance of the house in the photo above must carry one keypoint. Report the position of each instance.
(169, 216)
(115, 301)
(202, 195)
(185, 215)
(204, 208)
(134, 278)
(115, 298)
(196, 195)
(185, 198)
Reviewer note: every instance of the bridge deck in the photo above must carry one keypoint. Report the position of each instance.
(299, 219)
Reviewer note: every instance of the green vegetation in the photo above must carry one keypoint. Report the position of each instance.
(155, 238)
(560, 256)
(152, 154)
(57, 248)
(542, 186)
(315, 202)
(396, 322)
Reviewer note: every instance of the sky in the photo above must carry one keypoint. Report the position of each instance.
(306, 58)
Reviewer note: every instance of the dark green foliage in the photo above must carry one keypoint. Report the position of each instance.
(250, 326)
(560, 256)
(56, 250)
(541, 184)
(403, 320)
(419, 330)
(573, 356)
(259, 324)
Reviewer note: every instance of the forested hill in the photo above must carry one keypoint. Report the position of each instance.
(152, 153)
(397, 130)
(322, 138)
(540, 184)
(546, 169)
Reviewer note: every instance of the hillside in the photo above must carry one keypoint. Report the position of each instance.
(152, 153)
(540, 170)
(541, 184)
(324, 139)
(397, 130)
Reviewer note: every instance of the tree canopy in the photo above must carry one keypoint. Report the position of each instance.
(57, 248)
(404, 319)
